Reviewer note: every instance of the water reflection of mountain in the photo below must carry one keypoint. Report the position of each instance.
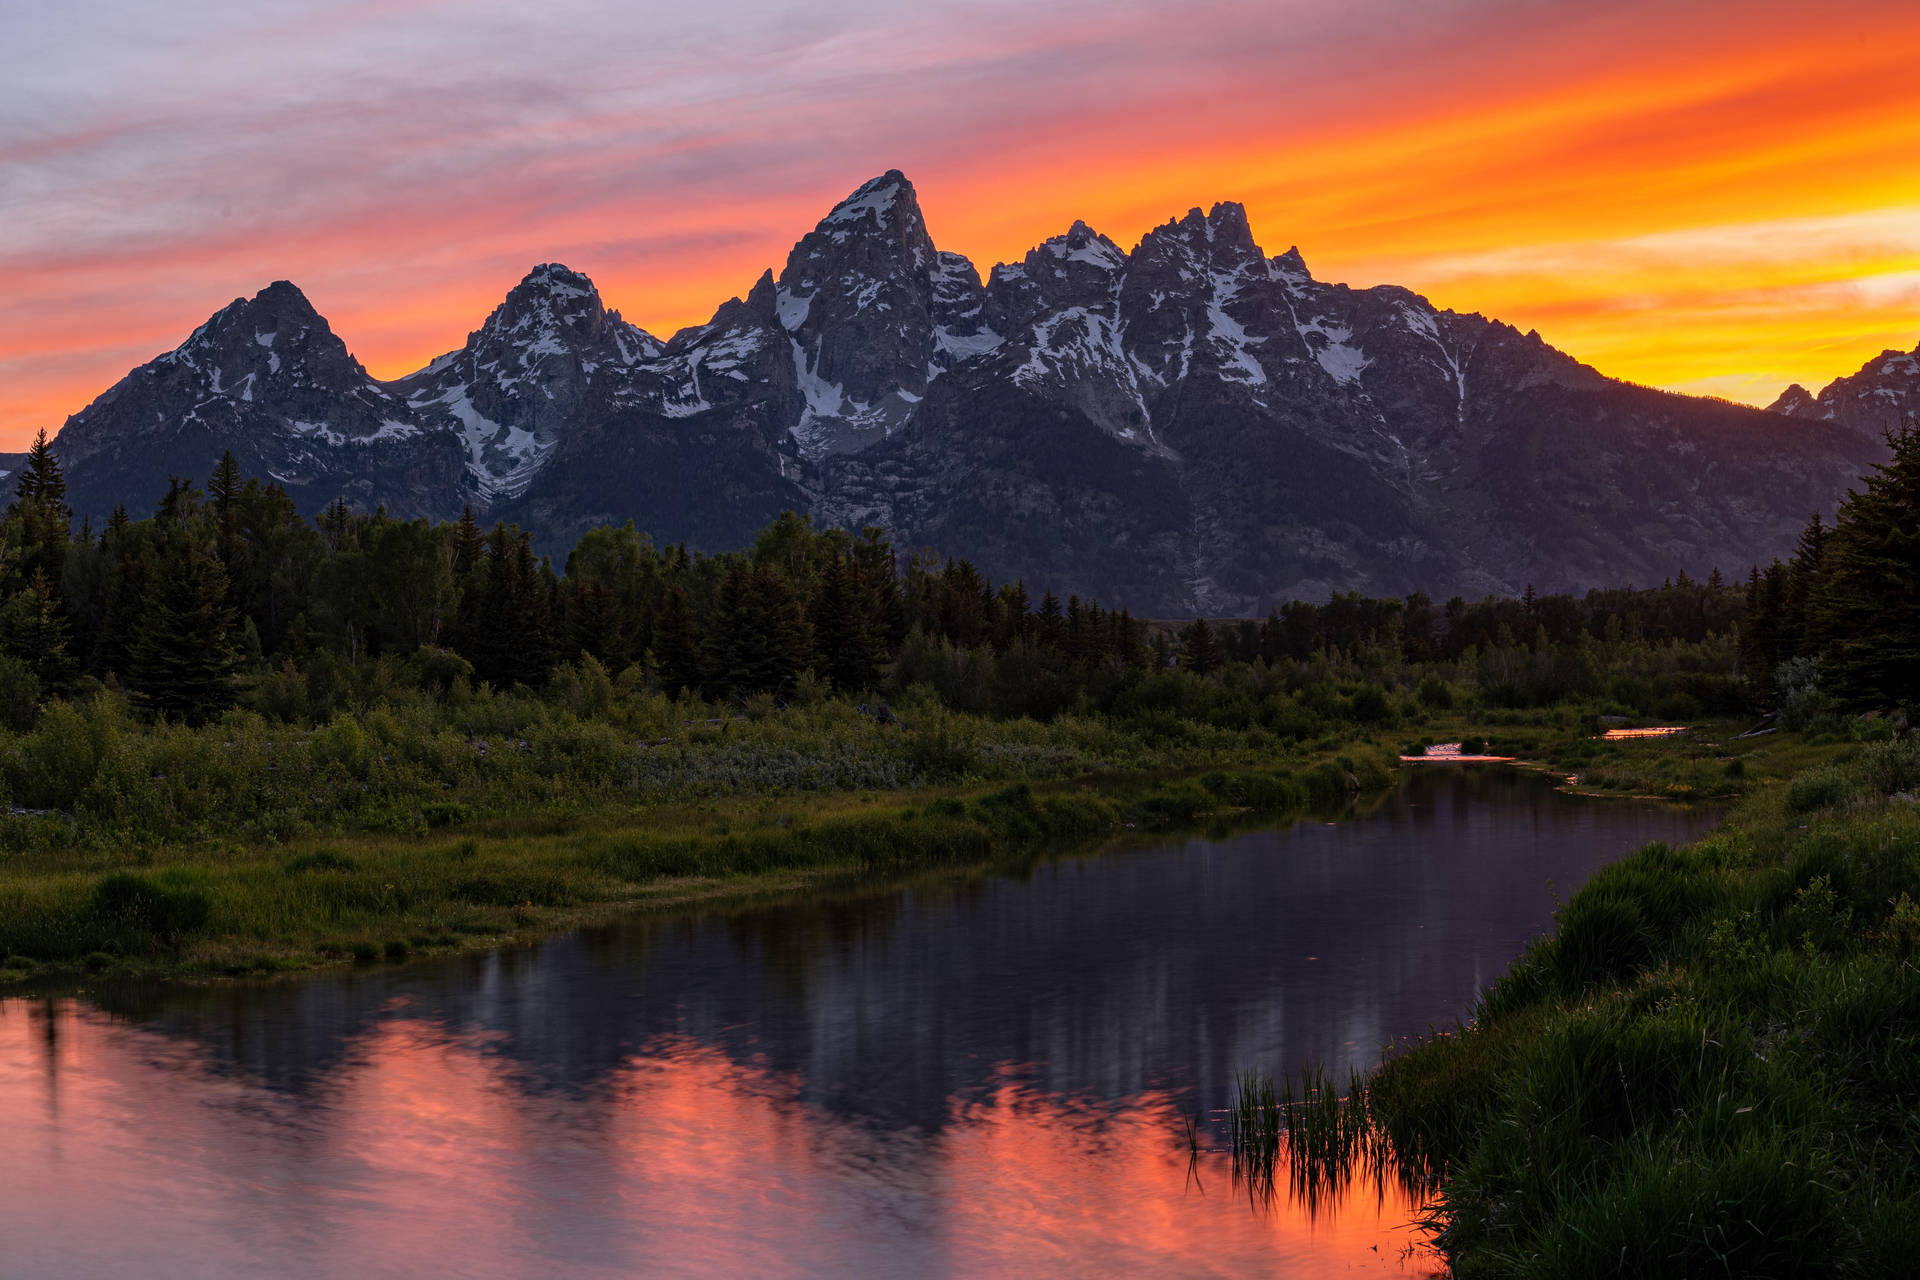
(1100, 977)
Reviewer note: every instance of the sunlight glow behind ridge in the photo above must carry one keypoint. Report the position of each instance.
(1705, 196)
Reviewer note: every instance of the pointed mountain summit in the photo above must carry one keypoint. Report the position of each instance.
(1870, 403)
(526, 376)
(860, 299)
(268, 379)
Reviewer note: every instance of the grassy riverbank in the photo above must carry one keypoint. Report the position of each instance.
(250, 845)
(213, 907)
(1710, 1066)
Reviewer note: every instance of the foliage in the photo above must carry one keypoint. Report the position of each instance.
(1707, 1067)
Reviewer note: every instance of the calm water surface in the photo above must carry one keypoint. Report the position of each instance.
(981, 1075)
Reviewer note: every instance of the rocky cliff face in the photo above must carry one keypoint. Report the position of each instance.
(1190, 426)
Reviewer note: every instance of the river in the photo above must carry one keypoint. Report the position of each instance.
(976, 1074)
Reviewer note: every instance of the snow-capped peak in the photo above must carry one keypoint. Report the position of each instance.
(1083, 244)
(877, 197)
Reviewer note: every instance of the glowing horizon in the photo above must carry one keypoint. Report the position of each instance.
(1709, 197)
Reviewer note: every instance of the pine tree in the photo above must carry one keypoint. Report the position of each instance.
(40, 510)
(34, 630)
(336, 523)
(1127, 640)
(1161, 651)
(506, 614)
(183, 662)
(676, 643)
(758, 640)
(469, 544)
(529, 615)
(843, 640)
(593, 624)
(1868, 609)
(1049, 626)
(1199, 649)
(1073, 633)
(1798, 633)
(223, 487)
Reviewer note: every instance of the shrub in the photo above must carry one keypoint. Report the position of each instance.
(1816, 791)
(941, 749)
(133, 908)
(55, 763)
(1434, 693)
(1891, 768)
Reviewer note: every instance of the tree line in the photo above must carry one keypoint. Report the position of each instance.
(227, 589)
(1836, 626)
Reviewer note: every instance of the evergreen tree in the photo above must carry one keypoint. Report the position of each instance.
(34, 630)
(506, 615)
(847, 654)
(336, 524)
(1797, 631)
(182, 665)
(42, 519)
(126, 604)
(759, 641)
(1199, 649)
(593, 624)
(1273, 638)
(224, 489)
(1127, 641)
(676, 643)
(1868, 606)
(1161, 652)
(468, 543)
(1049, 627)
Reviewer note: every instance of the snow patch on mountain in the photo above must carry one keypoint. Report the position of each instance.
(1426, 324)
(876, 197)
(1239, 365)
(501, 458)
(792, 308)
(957, 347)
(1328, 340)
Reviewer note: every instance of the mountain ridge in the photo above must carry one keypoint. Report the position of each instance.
(1191, 425)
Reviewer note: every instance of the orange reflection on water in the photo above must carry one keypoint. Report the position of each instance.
(416, 1151)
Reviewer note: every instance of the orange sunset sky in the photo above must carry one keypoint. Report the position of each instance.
(1713, 197)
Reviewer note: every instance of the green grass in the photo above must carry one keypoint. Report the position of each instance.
(1711, 1066)
(228, 907)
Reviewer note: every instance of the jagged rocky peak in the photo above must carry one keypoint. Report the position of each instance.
(739, 355)
(1876, 400)
(273, 337)
(1219, 240)
(889, 203)
(551, 297)
(1292, 268)
(861, 299)
(1080, 268)
(526, 377)
(874, 236)
(556, 311)
(1796, 402)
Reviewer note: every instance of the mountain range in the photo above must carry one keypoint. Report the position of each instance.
(1189, 426)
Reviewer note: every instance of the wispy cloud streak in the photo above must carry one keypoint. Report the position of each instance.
(405, 163)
